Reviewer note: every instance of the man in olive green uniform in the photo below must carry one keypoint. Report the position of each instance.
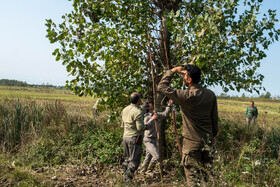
(133, 124)
(200, 120)
(251, 114)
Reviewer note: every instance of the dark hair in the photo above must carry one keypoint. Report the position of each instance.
(194, 72)
(145, 106)
(253, 102)
(134, 97)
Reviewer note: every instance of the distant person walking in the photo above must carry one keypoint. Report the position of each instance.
(133, 125)
(251, 114)
(150, 135)
(200, 121)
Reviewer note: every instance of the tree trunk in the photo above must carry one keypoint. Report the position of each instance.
(164, 5)
(164, 54)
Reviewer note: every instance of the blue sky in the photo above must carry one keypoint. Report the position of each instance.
(26, 54)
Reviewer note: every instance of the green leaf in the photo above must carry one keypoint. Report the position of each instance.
(57, 57)
(69, 68)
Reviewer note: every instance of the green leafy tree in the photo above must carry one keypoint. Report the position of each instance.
(267, 95)
(224, 95)
(243, 96)
(7, 82)
(105, 44)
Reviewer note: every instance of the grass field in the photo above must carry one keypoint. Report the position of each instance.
(269, 111)
(74, 104)
(51, 137)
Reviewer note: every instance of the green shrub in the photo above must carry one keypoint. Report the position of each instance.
(102, 146)
(99, 146)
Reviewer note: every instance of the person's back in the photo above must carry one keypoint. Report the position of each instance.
(130, 115)
(196, 110)
(132, 122)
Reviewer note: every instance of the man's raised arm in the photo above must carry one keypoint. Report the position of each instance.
(164, 85)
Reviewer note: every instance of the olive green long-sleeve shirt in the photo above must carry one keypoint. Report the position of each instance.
(199, 113)
(251, 112)
(133, 121)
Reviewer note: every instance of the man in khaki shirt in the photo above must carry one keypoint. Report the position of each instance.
(200, 120)
(133, 124)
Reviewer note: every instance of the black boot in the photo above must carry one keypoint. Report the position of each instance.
(124, 169)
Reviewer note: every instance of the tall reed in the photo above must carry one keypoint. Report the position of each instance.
(21, 121)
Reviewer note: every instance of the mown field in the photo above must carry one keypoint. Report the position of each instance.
(51, 137)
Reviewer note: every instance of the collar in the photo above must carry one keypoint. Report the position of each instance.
(135, 105)
(195, 87)
(148, 114)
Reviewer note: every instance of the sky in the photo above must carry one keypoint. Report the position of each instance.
(26, 53)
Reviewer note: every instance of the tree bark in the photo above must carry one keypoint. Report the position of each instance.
(165, 6)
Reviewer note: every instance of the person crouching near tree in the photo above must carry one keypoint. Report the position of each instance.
(150, 135)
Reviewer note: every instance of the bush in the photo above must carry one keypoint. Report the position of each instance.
(102, 146)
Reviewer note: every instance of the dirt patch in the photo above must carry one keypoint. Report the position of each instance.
(70, 175)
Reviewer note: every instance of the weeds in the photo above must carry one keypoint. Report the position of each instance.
(50, 134)
(245, 155)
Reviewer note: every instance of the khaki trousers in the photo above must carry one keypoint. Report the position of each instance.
(152, 153)
(251, 121)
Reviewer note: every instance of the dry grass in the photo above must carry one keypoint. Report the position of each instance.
(269, 112)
